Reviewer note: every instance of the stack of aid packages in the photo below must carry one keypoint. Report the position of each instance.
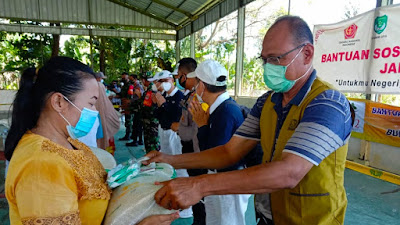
(132, 197)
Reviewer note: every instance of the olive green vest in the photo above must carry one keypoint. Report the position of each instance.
(320, 197)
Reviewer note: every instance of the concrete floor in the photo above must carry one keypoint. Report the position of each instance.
(370, 201)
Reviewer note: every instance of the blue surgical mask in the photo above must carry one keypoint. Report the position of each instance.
(85, 123)
(275, 76)
(178, 85)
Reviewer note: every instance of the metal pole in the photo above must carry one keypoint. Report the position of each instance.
(91, 49)
(365, 147)
(178, 50)
(380, 3)
(192, 45)
(288, 11)
(239, 51)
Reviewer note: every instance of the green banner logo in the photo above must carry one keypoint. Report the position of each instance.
(380, 24)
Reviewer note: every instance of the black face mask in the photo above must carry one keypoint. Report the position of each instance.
(182, 83)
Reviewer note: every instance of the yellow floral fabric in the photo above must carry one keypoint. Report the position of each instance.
(49, 184)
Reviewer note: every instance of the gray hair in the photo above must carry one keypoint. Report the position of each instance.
(299, 29)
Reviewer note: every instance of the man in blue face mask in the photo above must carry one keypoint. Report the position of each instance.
(303, 125)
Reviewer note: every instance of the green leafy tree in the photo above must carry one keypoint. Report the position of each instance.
(221, 46)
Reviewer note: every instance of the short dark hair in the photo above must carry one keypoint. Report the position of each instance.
(134, 76)
(300, 30)
(188, 64)
(216, 89)
(124, 73)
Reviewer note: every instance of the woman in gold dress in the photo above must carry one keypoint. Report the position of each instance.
(53, 178)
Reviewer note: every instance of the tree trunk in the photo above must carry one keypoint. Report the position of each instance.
(103, 55)
(56, 43)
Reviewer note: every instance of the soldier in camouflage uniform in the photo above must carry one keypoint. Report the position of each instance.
(125, 99)
(135, 109)
(150, 122)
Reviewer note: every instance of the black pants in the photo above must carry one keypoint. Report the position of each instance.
(263, 220)
(199, 212)
(137, 128)
(187, 147)
(128, 125)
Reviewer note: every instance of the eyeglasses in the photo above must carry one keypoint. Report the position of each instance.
(276, 59)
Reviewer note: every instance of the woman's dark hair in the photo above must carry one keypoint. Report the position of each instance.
(59, 74)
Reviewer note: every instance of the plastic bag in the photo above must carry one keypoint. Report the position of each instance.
(105, 158)
(134, 200)
(124, 172)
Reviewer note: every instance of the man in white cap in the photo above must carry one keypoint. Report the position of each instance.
(168, 112)
(303, 125)
(217, 124)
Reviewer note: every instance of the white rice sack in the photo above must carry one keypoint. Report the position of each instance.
(134, 200)
(105, 158)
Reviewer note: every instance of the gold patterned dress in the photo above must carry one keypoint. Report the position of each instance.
(49, 184)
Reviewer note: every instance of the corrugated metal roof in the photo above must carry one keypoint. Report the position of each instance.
(102, 12)
(25, 28)
(210, 16)
(185, 16)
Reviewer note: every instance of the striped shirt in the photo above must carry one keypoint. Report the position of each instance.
(325, 126)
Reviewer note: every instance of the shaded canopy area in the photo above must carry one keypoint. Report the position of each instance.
(154, 19)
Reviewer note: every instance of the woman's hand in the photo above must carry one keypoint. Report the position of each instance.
(160, 219)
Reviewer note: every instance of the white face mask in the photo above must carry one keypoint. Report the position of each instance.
(199, 97)
(166, 86)
(154, 88)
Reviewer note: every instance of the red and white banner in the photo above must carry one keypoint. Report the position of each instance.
(361, 54)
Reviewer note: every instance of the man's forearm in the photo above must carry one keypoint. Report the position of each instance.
(265, 178)
(210, 159)
(219, 157)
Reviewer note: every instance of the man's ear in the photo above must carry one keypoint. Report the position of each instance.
(308, 54)
(57, 102)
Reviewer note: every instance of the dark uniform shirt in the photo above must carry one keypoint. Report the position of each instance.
(171, 110)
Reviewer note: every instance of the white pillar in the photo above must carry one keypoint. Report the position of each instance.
(192, 45)
(177, 51)
(239, 51)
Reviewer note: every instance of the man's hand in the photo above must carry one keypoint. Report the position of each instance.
(180, 193)
(156, 156)
(199, 116)
(160, 219)
(160, 99)
(138, 93)
(175, 126)
(153, 98)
